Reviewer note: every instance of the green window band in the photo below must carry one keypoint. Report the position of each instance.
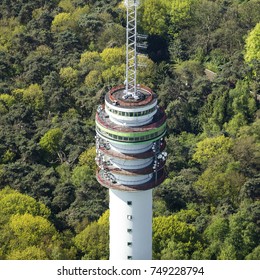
(132, 114)
(129, 137)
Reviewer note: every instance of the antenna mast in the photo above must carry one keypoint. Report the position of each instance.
(131, 52)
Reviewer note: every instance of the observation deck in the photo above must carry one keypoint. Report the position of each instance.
(148, 154)
(152, 183)
(117, 96)
(130, 140)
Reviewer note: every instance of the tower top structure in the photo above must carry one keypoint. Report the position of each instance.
(131, 50)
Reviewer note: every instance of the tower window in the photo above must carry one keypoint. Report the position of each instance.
(129, 202)
(129, 217)
(129, 243)
(129, 230)
(129, 257)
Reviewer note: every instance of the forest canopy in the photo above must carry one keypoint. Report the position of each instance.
(57, 60)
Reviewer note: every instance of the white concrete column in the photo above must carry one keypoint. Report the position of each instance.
(130, 225)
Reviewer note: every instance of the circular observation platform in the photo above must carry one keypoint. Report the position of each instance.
(155, 181)
(118, 97)
(142, 155)
(131, 110)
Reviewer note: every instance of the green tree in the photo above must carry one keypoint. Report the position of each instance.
(6, 101)
(93, 240)
(31, 230)
(242, 107)
(69, 76)
(12, 202)
(252, 48)
(173, 234)
(180, 11)
(37, 64)
(88, 157)
(30, 253)
(113, 56)
(68, 5)
(246, 151)
(10, 28)
(82, 175)
(211, 147)
(112, 36)
(32, 96)
(114, 75)
(215, 235)
(88, 60)
(215, 112)
(228, 252)
(189, 71)
(146, 72)
(221, 181)
(255, 254)
(50, 141)
(204, 23)
(93, 79)
(154, 17)
(243, 234)
(62, 21)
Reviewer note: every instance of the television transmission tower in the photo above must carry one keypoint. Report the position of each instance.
(130, 147)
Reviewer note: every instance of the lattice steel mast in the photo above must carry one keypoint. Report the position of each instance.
(131, 49)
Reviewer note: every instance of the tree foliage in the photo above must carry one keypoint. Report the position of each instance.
(59, 58)
(93, 240)
(13, 202)
(253, 45)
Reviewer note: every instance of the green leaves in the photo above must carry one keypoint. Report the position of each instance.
(32, 96)
(253, 44)
(93, 240)
(30, 253)
(211, 147)
(154, 17)
(222, 179)
(59, 58)
(88, 60)
(13, 202)
(31, 230)
(113, 56)
(69, 19)
(69, 76)
(50, 141)
(25, 232)
(173, 237)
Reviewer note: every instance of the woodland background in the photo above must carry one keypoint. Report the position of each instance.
(59, 58)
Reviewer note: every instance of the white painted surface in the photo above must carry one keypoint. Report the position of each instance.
(131, 164)
(132, 121)
(130, 149)
(132, 180)
(138, 218)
